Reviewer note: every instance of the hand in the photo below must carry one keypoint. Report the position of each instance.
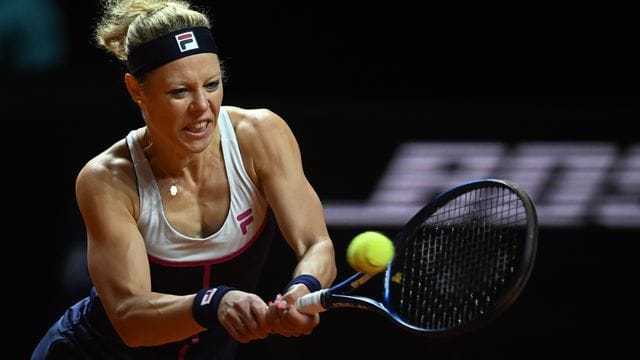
(283, 317)
(244, 316)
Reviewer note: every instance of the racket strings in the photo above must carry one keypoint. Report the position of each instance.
(460, 259)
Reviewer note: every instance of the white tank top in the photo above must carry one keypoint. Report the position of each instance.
(242, 226)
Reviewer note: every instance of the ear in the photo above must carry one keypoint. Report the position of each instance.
(134, 88)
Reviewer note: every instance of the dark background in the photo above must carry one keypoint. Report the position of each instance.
(354, 81)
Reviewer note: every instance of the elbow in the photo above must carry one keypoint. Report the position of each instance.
(126, 333)
(122, 323)
(130, 339)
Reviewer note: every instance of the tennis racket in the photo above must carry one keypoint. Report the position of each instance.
(461, 261)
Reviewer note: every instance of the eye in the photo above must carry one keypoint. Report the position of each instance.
(179, 93)
(212, 85)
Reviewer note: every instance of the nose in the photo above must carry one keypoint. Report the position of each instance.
(200, 102)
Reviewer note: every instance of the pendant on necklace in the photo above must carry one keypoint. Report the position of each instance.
(173, 189)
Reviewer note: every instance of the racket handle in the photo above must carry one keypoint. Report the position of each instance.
(311, 303)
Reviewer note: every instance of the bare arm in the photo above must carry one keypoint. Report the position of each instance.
(277, 163)
(118, 262)
(298, 210)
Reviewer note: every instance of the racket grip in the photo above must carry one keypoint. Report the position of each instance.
(311, 303)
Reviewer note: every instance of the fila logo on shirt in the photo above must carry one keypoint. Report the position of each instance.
(186, 41)
(244, 220)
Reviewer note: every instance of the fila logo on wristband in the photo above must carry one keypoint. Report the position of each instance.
(186, 41)
(206, 299)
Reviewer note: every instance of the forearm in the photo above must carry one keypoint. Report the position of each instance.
(318, 260)
(154, 319)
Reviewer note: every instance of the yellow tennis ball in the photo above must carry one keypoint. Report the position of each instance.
(370, 252)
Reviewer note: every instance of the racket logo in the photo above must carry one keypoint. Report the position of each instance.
(186, 41)
(339, 304)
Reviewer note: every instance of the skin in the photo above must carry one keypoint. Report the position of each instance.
(180, 103)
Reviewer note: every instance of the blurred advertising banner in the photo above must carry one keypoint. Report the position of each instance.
(573, 184)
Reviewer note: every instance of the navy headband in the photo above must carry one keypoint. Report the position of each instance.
(170, 47)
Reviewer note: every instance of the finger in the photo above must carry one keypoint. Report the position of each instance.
(280, 302)
(274, 317)
(247, 333)
(253, 321)
(260, 313)
(255, 329)
(236, 330)
(300, 323)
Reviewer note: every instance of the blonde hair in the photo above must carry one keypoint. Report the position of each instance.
(127, 24)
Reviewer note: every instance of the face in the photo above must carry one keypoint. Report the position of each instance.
(181, 101)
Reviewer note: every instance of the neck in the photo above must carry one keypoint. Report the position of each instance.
(161, 169)
(179, 171)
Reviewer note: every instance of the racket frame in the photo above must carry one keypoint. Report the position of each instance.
(338, 296)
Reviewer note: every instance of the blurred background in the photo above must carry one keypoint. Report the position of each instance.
(544, 93)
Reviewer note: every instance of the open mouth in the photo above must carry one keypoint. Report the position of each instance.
(198, 127)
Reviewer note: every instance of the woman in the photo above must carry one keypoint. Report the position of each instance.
(180, 212)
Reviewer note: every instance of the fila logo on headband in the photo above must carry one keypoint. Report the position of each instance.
(186, 41)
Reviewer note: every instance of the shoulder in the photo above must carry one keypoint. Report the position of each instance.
(261, 122)
(260, 129)
(109, 171)
(265, 140)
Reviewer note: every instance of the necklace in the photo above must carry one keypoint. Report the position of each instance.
(173, 188)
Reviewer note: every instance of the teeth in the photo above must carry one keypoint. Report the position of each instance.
(197, 127)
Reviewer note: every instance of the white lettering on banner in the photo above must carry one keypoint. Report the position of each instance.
(571, 183)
